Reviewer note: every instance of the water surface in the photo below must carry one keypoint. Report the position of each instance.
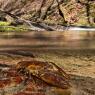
(51, 40)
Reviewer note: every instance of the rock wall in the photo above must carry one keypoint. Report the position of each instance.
(76, 12)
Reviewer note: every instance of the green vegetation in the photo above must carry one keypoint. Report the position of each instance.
(65, 12)
(12, 29)
(2, 23)
(5, 27)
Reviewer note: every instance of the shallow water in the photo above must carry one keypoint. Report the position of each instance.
(52, 40)
(73, 51)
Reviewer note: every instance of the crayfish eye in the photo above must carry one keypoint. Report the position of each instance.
(21, 70)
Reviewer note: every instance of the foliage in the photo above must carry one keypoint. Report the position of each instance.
(5, 27)
(2, 23)
(12, 29)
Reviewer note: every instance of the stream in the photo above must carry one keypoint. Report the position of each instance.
(73, 50)
(68, 39)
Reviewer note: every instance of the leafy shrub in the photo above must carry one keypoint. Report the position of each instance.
(4, 23)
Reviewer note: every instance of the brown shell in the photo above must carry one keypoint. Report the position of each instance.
(46, 71)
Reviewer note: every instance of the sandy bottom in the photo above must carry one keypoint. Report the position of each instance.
(80, 64)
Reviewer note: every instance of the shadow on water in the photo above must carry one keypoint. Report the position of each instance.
(82, 85)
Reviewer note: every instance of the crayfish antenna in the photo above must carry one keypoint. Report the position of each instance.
(61, 70)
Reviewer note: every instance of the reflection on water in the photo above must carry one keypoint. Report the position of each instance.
(67, 39)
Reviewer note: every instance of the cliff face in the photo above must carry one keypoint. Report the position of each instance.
(76, 12)
(18, 7)
(80, 13)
